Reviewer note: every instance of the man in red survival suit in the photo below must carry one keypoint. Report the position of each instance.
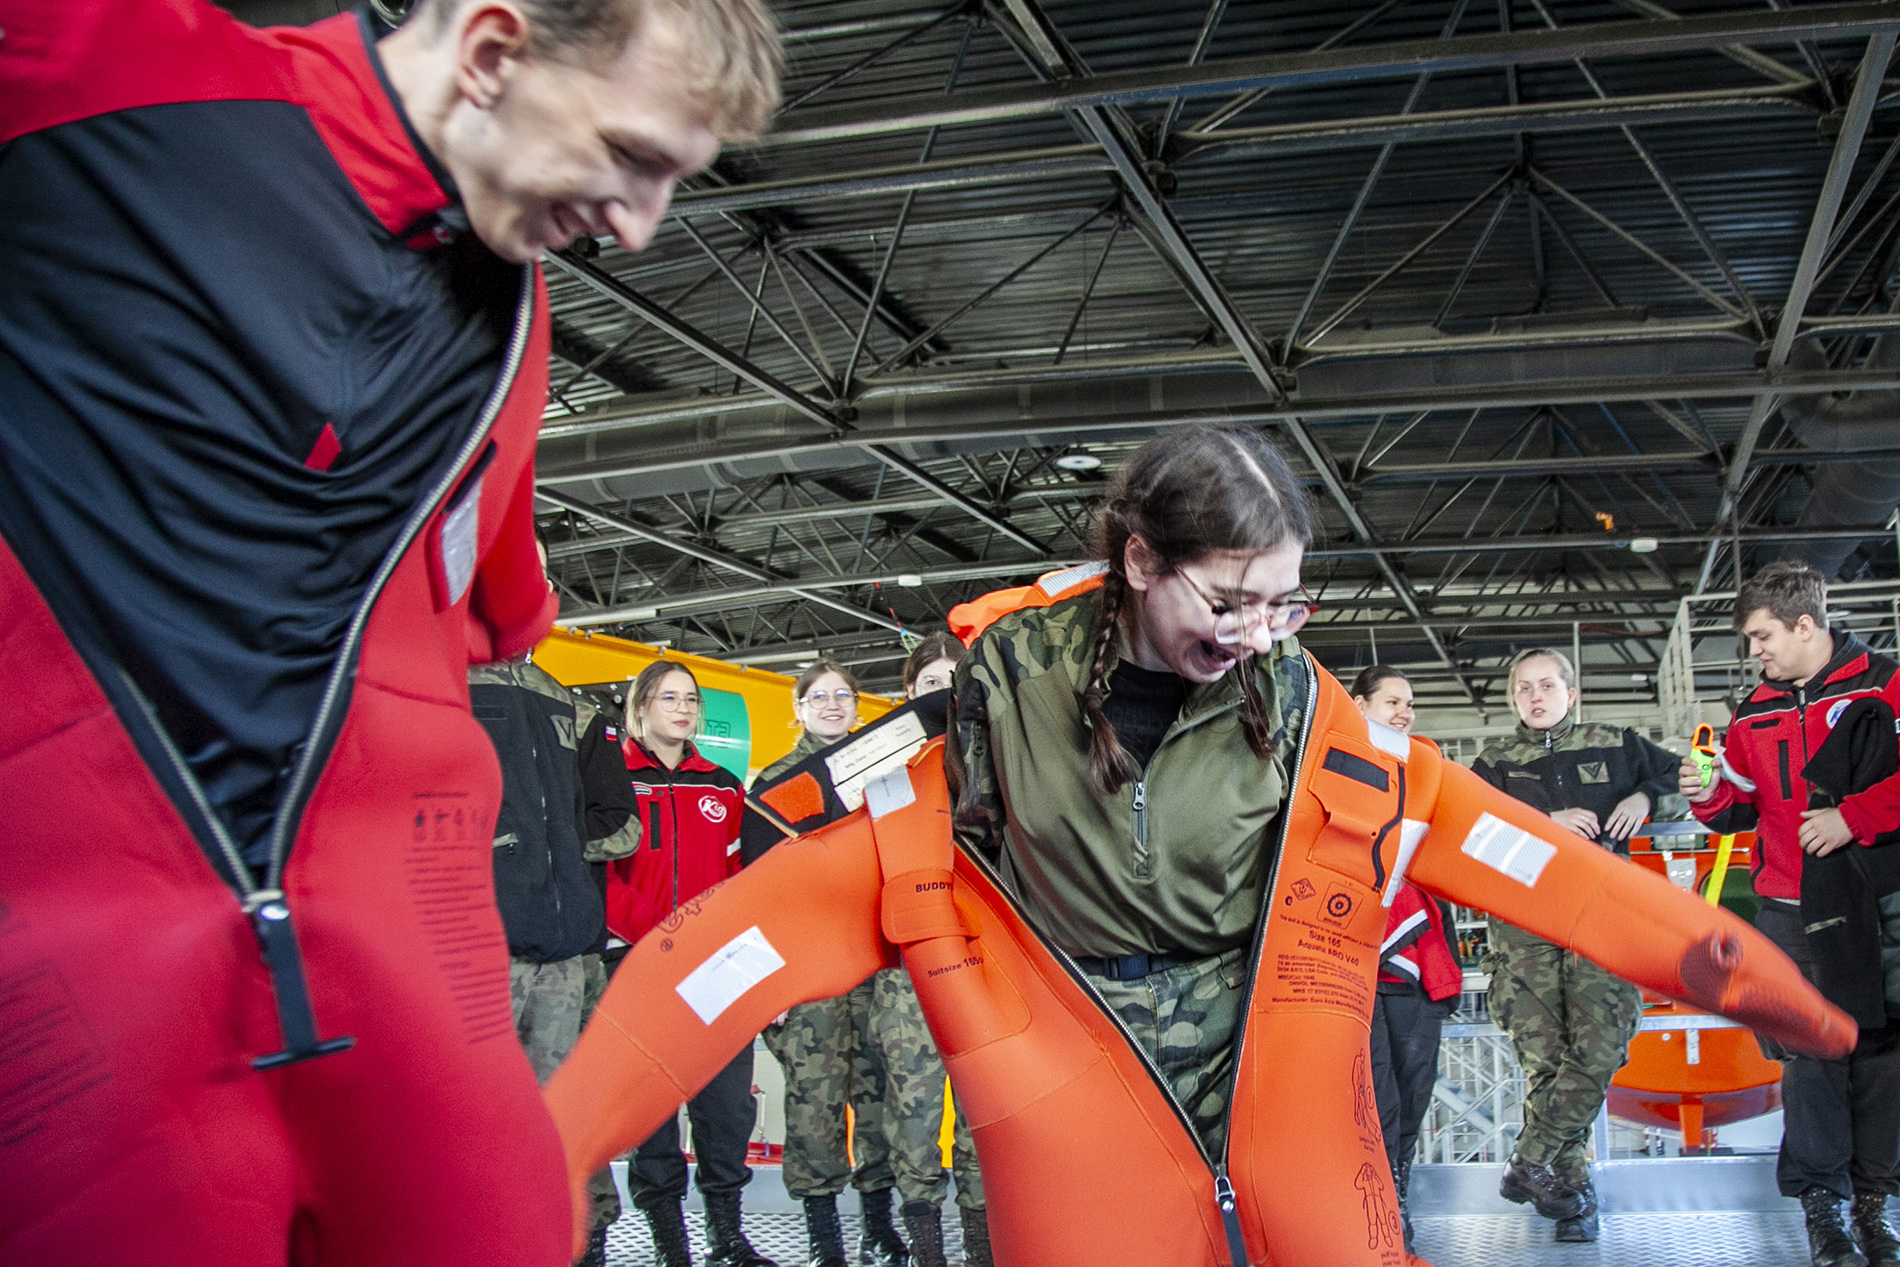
(1810, 764)
(273, 353)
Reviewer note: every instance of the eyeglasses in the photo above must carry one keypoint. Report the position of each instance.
(1282, 616)
(928, 682)
(673, 702)
(818, 699)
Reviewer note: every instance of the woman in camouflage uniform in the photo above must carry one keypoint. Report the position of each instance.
(826, 1051)
(1120, 756)
(1569, 1020)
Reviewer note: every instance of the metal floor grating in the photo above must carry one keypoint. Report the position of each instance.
(1724, 1239)
(779, 1236)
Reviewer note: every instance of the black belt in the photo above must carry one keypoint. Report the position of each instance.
(1133, 967)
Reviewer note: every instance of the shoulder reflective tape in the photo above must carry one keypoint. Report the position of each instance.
(890, 792)
(1357, 769)
(1389, 740)
(733, 969)
(1411, 836)
(1509, 849)
(1055, 583)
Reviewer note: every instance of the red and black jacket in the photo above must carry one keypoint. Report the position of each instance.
(1417, 950)
(1771, 739)
(689, 838)
(267, 418)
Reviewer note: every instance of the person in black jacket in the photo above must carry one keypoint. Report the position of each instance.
(563, 784)
(560, 788)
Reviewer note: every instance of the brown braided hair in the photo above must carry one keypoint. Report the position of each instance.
(1188, 493)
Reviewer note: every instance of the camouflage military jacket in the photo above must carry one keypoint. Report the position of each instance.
(1176, 861)
(807, 744)
(1587, 766)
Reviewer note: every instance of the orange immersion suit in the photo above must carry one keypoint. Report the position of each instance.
(1057, 1093)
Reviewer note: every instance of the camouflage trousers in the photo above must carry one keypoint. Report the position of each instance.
(1570, 1023)
(825, 1050)
(547, 1001)
(604, 1197)
(1184, 1017)
(913, 1098)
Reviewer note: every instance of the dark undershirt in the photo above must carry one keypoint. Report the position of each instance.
(1141, 705)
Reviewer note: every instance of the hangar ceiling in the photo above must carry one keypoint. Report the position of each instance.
(1556, 305)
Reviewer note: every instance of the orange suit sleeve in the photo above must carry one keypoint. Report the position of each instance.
(1486, 850)
(800, 924)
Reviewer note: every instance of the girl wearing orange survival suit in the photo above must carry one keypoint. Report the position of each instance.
(1123, 753)
(1055, 1082)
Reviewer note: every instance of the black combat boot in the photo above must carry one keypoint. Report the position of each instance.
(595, 1254)
(824, 1238)
(1877, 1241)
(668, 1224)
(1539, 1185)
(1829, 1245)
(1581, 1230)
(1402, 1180)
(879, 1245)
(976, 1236)
(726, 1245)
(924, 1221)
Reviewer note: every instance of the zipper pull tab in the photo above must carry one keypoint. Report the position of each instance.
(1230, 1219)
(277, 937)
(1141, 796)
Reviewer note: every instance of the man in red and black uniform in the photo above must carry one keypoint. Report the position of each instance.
(1823, 836)
(273, 354)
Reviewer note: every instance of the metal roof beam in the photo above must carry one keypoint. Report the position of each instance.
(613, 288)
(1173, 238)
(805, 587)
(716, 558)
(679, 454)
(1840, 170)
(1344, 65)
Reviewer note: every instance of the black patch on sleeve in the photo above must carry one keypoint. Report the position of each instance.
(1358, 769)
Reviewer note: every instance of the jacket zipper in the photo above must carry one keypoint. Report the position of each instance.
(1801, 724)
(1141, 828)
(269, 912)
(554, 879)
(673, 810)
(1139, 800)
